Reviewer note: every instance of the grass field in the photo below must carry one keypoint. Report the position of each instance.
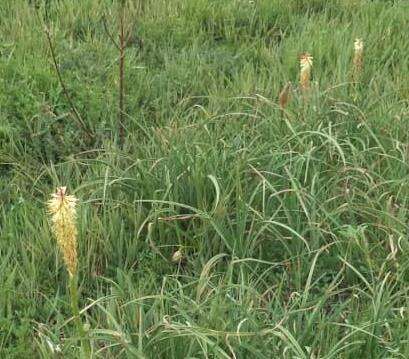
(292, 224)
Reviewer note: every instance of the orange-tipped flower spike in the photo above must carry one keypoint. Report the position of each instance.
(305, 73)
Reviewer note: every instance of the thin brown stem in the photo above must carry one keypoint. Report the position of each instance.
(74, 110)
(122, 45)
(104, 22)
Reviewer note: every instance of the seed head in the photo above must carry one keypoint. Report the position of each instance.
(177, 257)
(305, 73)
(63, 216)
(285, 96)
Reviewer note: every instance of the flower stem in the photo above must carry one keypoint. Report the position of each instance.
(85, 345)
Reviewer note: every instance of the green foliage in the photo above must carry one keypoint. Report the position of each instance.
(293, 224)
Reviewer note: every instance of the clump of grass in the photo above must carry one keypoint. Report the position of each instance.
(62, 208)
(283, 250)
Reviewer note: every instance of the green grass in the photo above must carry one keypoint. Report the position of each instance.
(294, 227)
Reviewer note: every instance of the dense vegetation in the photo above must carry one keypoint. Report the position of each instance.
(292, 225)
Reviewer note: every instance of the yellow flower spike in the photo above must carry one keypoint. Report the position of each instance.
(358, 57)
(63, 217)
(305, 73)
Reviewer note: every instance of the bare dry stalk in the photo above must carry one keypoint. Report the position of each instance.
(125, 39)
(122, 46)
